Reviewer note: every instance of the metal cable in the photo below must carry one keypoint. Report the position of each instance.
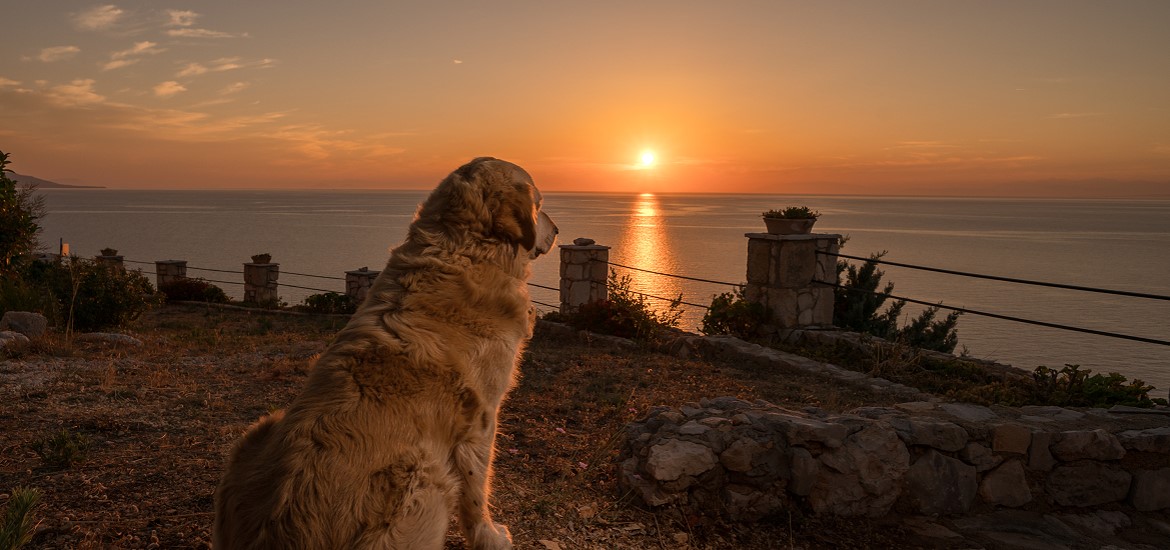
(545, 305)
(308, 288)
(544, 287)
(657, 297)
(672, 275)
(317, 276)
(216, 270)
(1007, 317)
(1005, 279)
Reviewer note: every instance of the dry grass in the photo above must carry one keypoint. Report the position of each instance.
(160, 419)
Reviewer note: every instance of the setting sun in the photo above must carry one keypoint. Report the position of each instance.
(647, 159)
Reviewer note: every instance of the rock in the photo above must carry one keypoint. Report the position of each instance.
(1052, 413)
(940, 484)
(968, 412)
(980, 457)
(582, 241)
(804, 472)
(9, 337)
(1006, 486)
(651, 494)
(747, 504)
(923, 527)
(1019, 529)
(938, 434)
(1153, 440)
(864, 476)
(1088, 485)
(738, 456)
(109, 338)
(915, 406)
(1039, 455)
(693, 428)
(1098, 523)
(798, 430)
(1011, 438)
(1095, 445)
(1151, 490)
(670, 460)
(32, 325)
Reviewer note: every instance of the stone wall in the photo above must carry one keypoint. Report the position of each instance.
(751, 460)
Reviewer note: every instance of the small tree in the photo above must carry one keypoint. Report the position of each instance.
(20, 208)
(858, 306)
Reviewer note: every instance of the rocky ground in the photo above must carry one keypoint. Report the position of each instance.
(155, 422)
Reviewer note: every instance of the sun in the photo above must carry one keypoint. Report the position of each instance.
(647, 159)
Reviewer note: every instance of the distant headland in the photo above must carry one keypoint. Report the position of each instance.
(46, 184)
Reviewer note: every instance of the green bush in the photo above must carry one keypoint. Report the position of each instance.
(193, 290)
(858, 307)
(1073, 387)
(18, 527)
(90, 296)
(730, 313)
(20, 209)
(793, 213)
(329, 303)
(625, 313)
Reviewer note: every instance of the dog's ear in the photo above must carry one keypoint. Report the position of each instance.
(514, 215)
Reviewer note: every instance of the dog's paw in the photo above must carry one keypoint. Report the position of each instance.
(491, 536)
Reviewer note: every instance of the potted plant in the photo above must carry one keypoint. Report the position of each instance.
(264, 258)
(793, 220)
(109, 252)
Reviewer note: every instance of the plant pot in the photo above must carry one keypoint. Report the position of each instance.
(786, 226)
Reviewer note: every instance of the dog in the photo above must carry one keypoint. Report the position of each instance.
(395, 428)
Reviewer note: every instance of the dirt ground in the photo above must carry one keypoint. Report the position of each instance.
(160, 418)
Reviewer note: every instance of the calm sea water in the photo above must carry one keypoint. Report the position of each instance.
(1111, 244)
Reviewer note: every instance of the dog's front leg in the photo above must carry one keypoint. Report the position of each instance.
(474, 460)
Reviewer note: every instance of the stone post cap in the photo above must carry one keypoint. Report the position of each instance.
(261, 265)
(583, 246)
(362, 271)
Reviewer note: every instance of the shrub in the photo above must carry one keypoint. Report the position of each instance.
(91, 296)
(63, 449)
(1073, 387)
(329, 303)
(625, 313)
(793, 213)
(18, 527)
(20, 209)
(193, 290)
(730, 313)
(858, 307)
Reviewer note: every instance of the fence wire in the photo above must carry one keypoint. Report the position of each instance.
(673, 275)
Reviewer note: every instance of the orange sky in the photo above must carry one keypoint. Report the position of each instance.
(1059, 98)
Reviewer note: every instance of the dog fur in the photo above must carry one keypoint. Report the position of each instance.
(395, 427)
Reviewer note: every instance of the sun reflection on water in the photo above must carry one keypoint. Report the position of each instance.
(644, 244)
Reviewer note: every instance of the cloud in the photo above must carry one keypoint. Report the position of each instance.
(58, 53)
(168, 88)
(97, 18)
(1074, 115)
(457, 61)
(234, 87)
(221, 65)
(5, 82)
(129, 56)
(182, 18)
(198, 33)
(77, 93)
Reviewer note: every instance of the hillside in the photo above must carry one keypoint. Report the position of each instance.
(46, 184)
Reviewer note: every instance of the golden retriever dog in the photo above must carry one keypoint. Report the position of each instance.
(395, 429)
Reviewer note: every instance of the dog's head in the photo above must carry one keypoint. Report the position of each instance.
(492, 200)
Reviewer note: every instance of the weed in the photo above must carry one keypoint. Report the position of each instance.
(63, 449)
(625, 313)
(329, 303)
(19, 526)
(730, 313)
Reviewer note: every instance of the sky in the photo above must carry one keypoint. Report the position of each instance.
(1050, 98)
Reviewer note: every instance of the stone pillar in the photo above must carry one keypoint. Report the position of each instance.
(781, 275)
(584, 271)
(260, 283)
(115, 262)
(166, 271)
(358, 283)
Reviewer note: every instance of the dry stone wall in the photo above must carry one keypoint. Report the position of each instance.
(751, 460)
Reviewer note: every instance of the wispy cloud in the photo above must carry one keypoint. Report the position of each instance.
(5, 82)
(233, 88)
(1074, 115)
(57, 53)
(188, 32)
(98, 17)
(168, 88)
(222, 64)
(182, 18)
(131, 56)
(77, 93)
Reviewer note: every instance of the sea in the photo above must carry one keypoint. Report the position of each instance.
(318, 235)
